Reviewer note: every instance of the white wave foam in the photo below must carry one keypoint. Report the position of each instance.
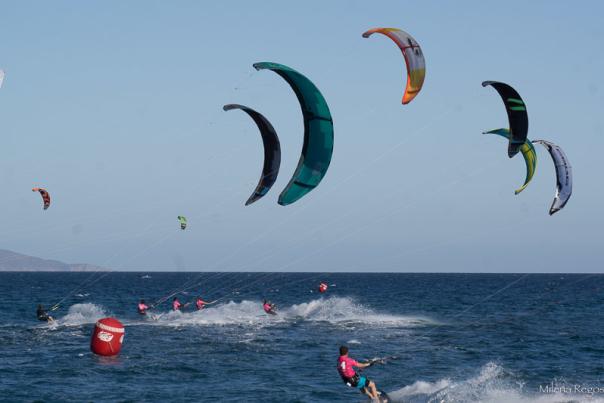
(336, 310)
(80, 314)
(245, 312)
(491, 385)
(345, 310)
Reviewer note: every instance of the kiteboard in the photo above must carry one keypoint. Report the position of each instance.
(153, 316)
(382, 398)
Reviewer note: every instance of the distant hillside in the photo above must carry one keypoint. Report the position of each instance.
(12, 261)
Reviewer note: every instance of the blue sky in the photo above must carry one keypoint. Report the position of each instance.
(116, 109)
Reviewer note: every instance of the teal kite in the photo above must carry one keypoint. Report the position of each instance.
(528, 152)
(318, 134)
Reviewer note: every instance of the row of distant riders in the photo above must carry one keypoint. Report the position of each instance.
(200, 304)
(267, 306)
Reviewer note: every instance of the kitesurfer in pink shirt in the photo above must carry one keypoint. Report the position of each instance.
(176, 305)
(352, 378)
(269, 307)
(142, 307)
(200, 304)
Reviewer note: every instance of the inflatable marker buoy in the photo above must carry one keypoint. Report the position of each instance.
(107, 337)
(322, 287)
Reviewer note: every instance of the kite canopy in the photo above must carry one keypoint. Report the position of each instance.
(528, 152)
(564, 175)
(45, 196)
(414, 59)
(318, 134)
(517, 115)
(1, 77)
(183, 222)
(272, 152)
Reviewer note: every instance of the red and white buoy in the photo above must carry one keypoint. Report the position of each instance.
(322, 287)
(107, 337)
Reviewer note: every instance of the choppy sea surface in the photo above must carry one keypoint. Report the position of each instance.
(455, 337)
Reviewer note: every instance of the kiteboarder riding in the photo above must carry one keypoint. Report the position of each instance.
(142, 307)
(176, 305)
(200, 304)
(269, 307)
(352, 378)
(43, 315)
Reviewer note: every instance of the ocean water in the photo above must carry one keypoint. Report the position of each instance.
(456, 337)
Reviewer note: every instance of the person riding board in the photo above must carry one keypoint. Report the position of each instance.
(142, 307)
(269, 307)
(200, 303)
(352, 378)
(176, 305)
(43, 315)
